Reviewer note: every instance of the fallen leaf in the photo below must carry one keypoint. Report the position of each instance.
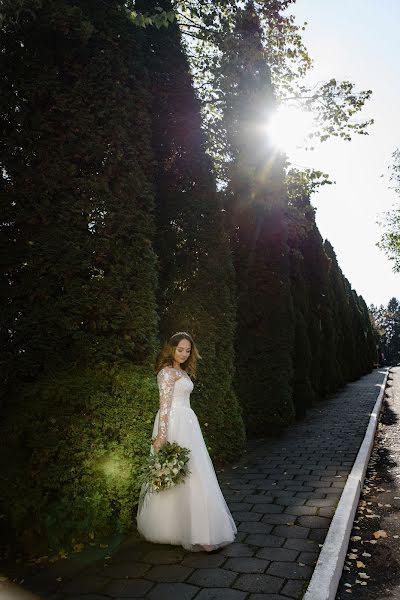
(355, 538)
(360, 564)
(363, 575)
(381, 533)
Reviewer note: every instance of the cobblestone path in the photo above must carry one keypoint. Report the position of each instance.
(282, 495)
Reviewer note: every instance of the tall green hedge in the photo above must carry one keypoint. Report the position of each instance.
(196, 291)
(256, 202)
(77, 439)
(78, 267)
(78, 279)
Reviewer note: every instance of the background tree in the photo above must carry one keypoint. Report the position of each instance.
(390, 322)
(208, 28)
(390, 241)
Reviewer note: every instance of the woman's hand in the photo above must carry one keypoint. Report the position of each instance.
(157, 444)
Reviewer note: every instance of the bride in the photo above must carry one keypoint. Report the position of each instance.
(194, 513)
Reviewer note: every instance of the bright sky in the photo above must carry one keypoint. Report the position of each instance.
(357, 40)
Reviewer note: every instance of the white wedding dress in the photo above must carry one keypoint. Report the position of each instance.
(194, 513)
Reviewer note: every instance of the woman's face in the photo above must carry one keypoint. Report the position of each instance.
(182, 351)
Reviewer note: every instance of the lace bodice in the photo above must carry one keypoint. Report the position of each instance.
(175, 388)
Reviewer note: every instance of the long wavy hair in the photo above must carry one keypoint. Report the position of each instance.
(167, 354)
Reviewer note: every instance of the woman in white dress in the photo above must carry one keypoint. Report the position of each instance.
(194, 513)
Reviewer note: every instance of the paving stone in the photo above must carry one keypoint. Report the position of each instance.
(238, 550)
(239, 506)
(314, 522)
(327, 511)
(133, 551)
(267, 508)
(278, 493)
(246, 516)
(338, 484)
(320, 502)
(282, 519)
(41, 583)
(280, 554)
(129, 569)
(328, 490)
(65, 568)
(173, 591)
(259, 539)
(212, 578)
(168, 573)
(302, 545)
(251, 527)
(220, 594)
(298, 488)
(335, 497)
(301, 510)
(250, 487)
(265, 597)
(203, 561)
(294, 588)
(318, 535)
(258, 498)
(127, 588)
(318, 485)
(247, 565)
(85, 584)
(308, 558)
(81, 597)
(289, 501)
(310, 495)
(259, 583)
(235, 496)
(307, 478)
(289, 570)
(288, 531)
(164, 557)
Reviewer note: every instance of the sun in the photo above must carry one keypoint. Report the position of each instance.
(289, 127)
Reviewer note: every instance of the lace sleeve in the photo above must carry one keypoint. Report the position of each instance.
(166, 381)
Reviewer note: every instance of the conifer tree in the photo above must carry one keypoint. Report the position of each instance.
(256, 203)
(78, 270)
(196, 291)
(78, 279)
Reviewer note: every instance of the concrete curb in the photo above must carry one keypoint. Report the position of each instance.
(329, 567)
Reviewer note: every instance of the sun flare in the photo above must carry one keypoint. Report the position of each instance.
(289, 128)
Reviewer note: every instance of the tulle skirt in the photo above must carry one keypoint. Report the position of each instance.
(192, 514)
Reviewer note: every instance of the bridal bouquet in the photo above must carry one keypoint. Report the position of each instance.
(166, 468)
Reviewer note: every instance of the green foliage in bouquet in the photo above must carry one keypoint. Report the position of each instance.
(166, 468)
